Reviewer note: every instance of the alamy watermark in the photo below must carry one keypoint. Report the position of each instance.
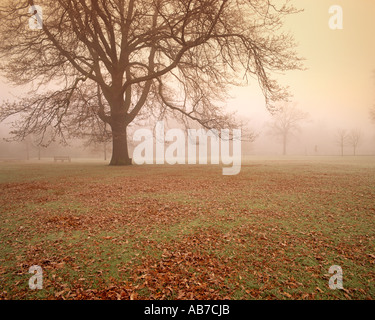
(36, 19)
(36, 281)
(182, 147)
(336, 20)
(336, 281)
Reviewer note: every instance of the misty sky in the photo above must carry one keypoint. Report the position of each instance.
(338, 87)
(338, 83)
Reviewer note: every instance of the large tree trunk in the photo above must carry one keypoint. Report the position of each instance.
(120, 154)
(284, 145)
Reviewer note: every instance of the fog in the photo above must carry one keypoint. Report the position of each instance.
(337, 89)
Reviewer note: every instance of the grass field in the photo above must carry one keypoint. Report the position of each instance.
(188, 232)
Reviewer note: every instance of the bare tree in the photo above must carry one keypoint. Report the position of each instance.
(118, 59)
(99, 138)
(30, 142)
(286, 122)
(372, 114)
(354, 139)
(34, 142)
(342, 139)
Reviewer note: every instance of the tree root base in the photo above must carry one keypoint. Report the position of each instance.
(121, 162)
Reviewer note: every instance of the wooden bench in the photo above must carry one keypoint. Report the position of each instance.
(61, 158)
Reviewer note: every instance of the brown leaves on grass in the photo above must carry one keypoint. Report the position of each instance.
(65, 221)
(186, 271)
(171, 235)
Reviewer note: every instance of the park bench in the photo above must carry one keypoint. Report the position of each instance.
(61, 158)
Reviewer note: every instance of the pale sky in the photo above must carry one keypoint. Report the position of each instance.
(338, 83)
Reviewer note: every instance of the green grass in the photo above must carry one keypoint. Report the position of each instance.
(167, 232)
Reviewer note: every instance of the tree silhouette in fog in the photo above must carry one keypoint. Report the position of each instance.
(116, 60)
(286, 122)
(354, 139)
(341, 139)
(372, 114)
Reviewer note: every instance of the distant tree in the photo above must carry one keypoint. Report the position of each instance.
(341, 140)
(31, 143)
(143, 55)
(40, 142)
(354, 139)
(372, 114)
(286, 122)
(98, 139)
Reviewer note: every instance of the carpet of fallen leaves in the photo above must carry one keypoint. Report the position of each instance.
(187, 232)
